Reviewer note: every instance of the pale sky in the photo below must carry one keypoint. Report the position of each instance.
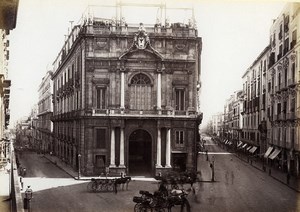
(233, 33)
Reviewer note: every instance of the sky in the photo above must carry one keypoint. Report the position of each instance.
(233, 34)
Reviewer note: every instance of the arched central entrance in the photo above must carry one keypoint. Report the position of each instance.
(140, 153)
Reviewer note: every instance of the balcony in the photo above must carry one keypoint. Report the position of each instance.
(291, 116)
(276, 117)
(282, 116)
(283, 86)
(8, 14)
(147, 113)
(291, 82)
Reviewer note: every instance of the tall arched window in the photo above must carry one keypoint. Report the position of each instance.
(140, 92)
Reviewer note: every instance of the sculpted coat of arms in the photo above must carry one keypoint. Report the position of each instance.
(141, 39)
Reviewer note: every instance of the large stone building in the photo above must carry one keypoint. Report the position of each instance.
(235, 108)
(254, 107)
(125, 97)
(217, 122)
(45, 110)
(8, 18)
(283, 88)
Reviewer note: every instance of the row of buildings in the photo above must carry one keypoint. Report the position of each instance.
(123, 97)
(265, 113)
(8, 19)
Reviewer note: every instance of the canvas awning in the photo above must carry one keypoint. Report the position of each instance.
(244, 146)
(249, 147)
(275, 154)
(253, 149)
(240, 144)
(268, 152)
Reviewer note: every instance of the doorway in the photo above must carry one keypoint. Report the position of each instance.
(140, 153)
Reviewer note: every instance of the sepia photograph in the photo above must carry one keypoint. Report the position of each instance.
(149, 106)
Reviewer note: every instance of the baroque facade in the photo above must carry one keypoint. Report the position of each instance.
(125, 97)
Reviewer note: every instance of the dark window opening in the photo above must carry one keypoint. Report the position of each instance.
(100, 138)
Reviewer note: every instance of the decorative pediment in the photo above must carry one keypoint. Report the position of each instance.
(100, 80)
(141, 54)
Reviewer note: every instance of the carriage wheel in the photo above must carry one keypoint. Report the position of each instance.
(90, 186)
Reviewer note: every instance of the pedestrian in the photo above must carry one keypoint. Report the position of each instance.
(20, 170)
(24, 172)
(22, 183)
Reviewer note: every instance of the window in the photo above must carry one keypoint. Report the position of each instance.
(278, 108)
(293, 72)
(286, 46)
(100, 138)
(179, 138)
(292, 106)
(100, 98)
(140, 79)
(285, 76)
(294, 39)
(292, 136)
(179, 99)
(140, 92)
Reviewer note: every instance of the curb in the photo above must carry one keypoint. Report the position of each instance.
(89, 178)
(60, 167)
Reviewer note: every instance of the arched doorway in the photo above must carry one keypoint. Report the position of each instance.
(140, 153)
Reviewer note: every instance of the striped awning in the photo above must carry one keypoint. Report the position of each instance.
(275, 154)
(244, 146)
(253, 149)
(268, 152)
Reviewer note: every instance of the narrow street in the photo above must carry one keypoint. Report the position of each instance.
(241, 187)
(238, 187)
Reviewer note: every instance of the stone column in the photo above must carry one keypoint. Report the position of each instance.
(158, 154)
(112, 148)
(168, 149)
(122, 165)
(158, 91)
(122, 90)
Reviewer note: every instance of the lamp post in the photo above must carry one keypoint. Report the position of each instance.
(212, 166)
(79, 156)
